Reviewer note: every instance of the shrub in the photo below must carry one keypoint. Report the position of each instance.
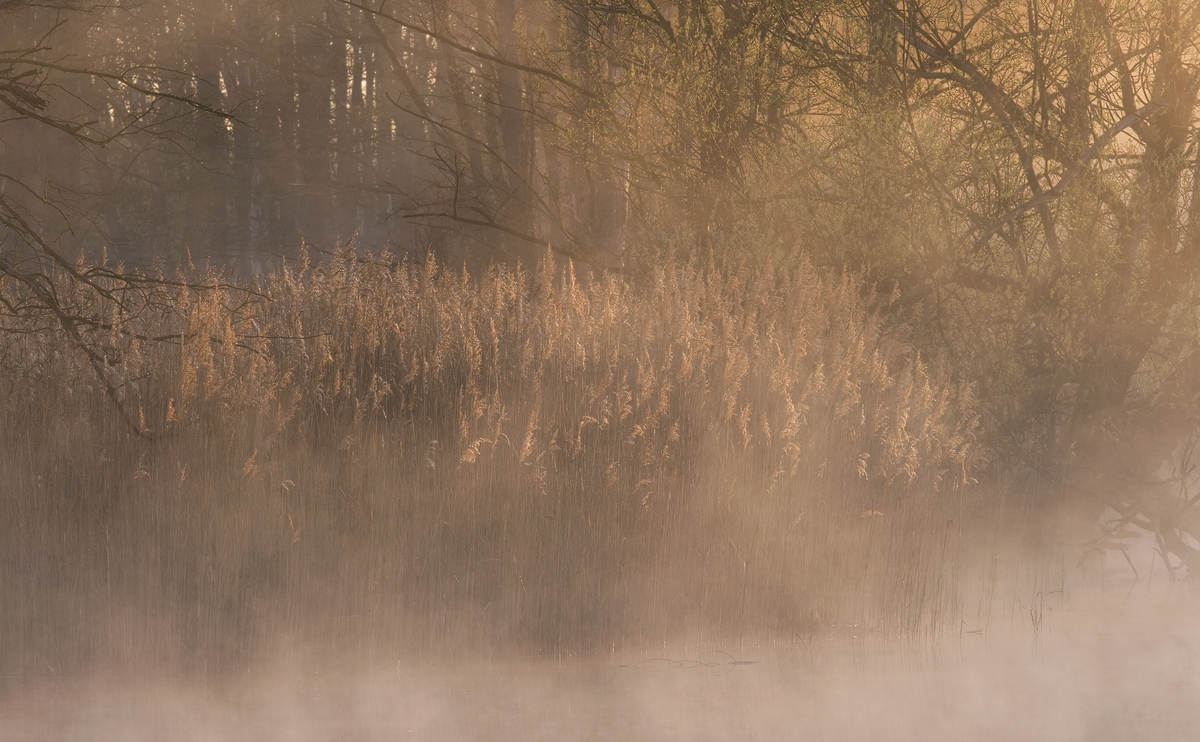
(370, 455)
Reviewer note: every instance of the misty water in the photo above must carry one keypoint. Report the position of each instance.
(578, 370)
(1111, 661)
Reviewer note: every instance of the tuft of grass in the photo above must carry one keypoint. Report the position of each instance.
(371, 455)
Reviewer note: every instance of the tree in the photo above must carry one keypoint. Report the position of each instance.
(599, 125)
(1052, 150)
(56, 102)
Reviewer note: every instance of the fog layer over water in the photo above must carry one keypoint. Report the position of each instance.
(1115, 666)
(340, 538)
(562, 345)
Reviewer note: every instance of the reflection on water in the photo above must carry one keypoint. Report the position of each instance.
(1113, 668)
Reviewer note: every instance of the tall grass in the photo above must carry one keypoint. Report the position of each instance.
(375, 456)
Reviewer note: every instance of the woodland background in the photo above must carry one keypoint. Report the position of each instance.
(590, 277)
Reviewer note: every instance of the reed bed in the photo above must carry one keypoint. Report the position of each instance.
(373, 456)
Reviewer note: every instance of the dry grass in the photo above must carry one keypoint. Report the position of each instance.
(375, 457)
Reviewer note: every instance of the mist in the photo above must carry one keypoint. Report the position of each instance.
(567, 370)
